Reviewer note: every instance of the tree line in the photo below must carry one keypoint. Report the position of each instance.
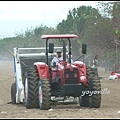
(98, 27)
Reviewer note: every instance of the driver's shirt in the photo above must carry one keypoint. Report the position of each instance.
(57, 60)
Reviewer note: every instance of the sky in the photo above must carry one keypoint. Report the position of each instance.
(19, 16)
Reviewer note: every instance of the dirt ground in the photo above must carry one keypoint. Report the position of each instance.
(110, 104)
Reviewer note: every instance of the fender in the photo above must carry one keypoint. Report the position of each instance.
(82, 71)
(43, 70)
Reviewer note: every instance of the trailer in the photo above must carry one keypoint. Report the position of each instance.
(24, 58)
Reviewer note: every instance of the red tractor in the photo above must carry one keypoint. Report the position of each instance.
(76, 80)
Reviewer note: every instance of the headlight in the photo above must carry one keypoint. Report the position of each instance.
(82, 78)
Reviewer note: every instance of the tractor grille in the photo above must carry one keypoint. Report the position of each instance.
(71, 77)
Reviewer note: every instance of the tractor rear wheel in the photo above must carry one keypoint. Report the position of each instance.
(31, 89)
(44, 94)
(13, 93)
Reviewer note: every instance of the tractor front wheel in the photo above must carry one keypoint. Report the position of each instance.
(95, 97)
(92, 92)
(84, 98)
(44, 94)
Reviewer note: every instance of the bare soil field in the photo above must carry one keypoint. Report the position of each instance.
(110, 104)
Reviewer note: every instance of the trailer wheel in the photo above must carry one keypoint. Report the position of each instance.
(44, 94)
(31, 89)
(13, 93)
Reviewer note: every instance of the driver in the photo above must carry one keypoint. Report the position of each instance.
(58, 58)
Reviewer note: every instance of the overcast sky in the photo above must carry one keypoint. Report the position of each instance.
(18, 16)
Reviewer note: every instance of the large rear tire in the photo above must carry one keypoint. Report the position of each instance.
(44, 94)
(13, 93)
(31, 89)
